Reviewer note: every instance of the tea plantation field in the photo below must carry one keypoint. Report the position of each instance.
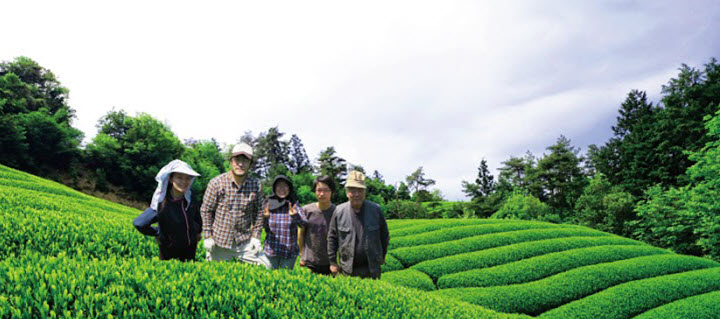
(66, 254)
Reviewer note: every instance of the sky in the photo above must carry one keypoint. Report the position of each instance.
(392, 85)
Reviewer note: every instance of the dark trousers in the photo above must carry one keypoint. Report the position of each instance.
(363, 271)
(182, 254)
(322, 270)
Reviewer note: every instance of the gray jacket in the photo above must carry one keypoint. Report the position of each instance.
(341, 237)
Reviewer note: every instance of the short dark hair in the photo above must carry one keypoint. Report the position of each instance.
(327, 180)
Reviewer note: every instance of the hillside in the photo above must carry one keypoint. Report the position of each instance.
(67, 254)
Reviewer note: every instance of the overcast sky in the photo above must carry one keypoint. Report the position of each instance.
(392, 85)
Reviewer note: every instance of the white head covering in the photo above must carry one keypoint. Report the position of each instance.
(163, 177)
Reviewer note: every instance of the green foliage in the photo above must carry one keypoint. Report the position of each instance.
(405, 209)
(417, 181)
(525, 206)
(35, 121)
(330, 164)
(445, 209)
(550, 293)
(604, 207)
(649, 142)
(560, 176)
(130, 151)
(409, 278)
(705, 306)
(412, 255)
(629, 299)
(687, 219)
(437, 268)
(206, 159)
(39, 286)
(391, 264)
(542, 266)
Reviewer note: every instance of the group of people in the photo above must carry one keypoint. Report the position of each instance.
(350, 238)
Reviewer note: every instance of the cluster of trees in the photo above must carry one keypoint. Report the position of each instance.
(653, 180)
(36, 133)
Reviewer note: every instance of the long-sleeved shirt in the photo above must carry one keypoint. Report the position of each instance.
(231, 212)
(281, 232)
(178, 224)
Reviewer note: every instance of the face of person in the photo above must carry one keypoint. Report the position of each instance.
(356, 196)
(180, 182)
(323, 192)
(240, 165)
(282, 189)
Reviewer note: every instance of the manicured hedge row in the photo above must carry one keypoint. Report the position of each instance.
(391, 264)
(539, 267)
(627, 300)
(438, 268)
(409, 278)
(705, 306)
(540, 296)
(454, 233)
(32, 222)
(409, 256)
(442, 223)
(49, 287)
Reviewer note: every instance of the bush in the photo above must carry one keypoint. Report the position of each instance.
(705, 306)
(409, 278)
(540, 296)
(629, 299)
(539, 267)
(405, 209)
(522, 206)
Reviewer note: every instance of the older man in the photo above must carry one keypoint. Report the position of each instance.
(231, 212)
(358, 233)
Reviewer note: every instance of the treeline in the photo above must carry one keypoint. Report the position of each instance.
(656, 179)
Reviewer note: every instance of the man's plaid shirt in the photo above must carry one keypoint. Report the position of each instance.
(231, 212)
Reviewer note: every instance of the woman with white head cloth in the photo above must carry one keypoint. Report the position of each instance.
(179, 222)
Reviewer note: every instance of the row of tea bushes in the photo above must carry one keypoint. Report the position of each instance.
(633, 298)
(536, 297)
(536, 268)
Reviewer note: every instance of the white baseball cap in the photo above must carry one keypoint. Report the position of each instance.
(242, 149)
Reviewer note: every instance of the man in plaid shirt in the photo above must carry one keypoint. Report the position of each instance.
(231, 212)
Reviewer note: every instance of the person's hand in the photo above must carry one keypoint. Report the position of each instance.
(301, 263)
(266, 211)
(209, 243)
(255, 245)
(292, 210)
(334, 269)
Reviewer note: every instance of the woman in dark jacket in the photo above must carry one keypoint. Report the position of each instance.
(179, 222)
